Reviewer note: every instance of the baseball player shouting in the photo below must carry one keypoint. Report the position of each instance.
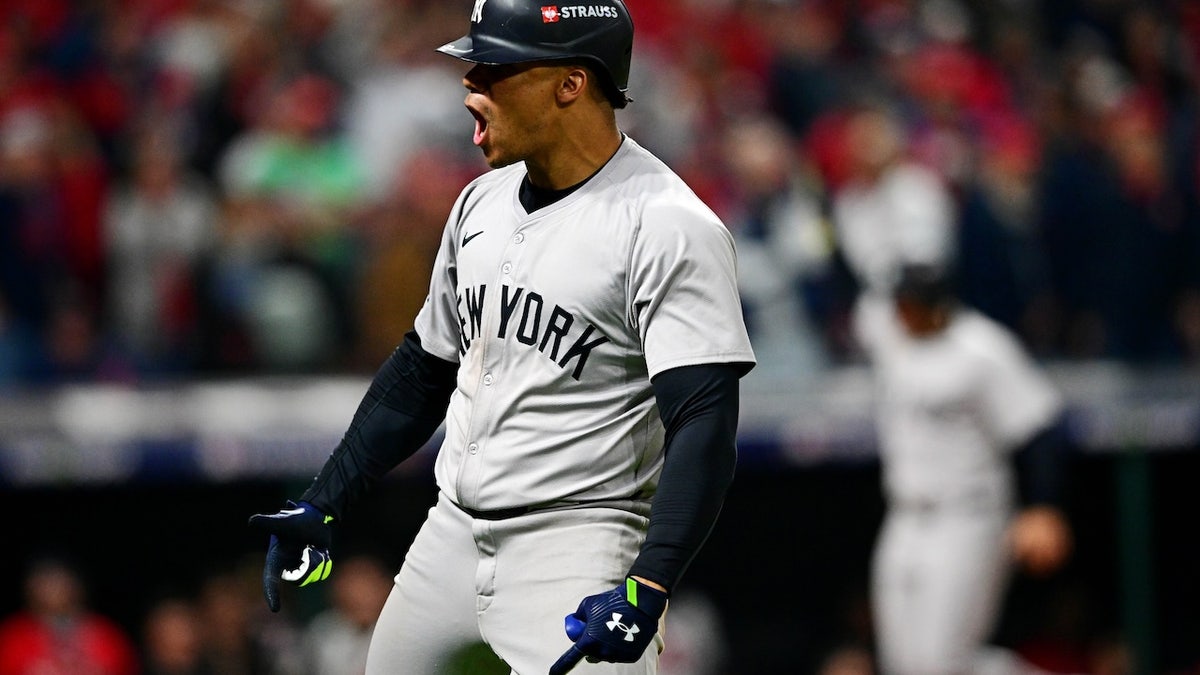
(960, 405)
(583, 342)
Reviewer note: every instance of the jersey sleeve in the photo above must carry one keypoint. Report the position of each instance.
(437, 322)
(684, 297)
(876, 328)
(1018, 399)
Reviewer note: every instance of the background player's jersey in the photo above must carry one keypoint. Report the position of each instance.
(952, 407)
(560, 317)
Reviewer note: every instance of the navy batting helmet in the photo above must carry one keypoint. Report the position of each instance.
(597, 32)
(926, 284)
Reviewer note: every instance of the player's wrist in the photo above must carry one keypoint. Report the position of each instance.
(647, 596)
(649, 582)
(321, 498)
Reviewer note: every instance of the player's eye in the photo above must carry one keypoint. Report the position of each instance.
(484, 75)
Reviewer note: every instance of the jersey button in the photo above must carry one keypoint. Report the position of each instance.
(487, 380)
(473, 448)
(506, 268)
(520, 237)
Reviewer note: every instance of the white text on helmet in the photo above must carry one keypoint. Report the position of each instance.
(585, 11)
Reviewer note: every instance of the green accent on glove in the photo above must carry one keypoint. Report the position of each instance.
(646, 598)
(321, 573)
(328, 520)
(631, 591)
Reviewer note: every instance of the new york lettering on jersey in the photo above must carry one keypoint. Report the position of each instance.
(529, 319)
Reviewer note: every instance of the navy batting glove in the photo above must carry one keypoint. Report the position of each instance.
(298, 551)
(614, 626)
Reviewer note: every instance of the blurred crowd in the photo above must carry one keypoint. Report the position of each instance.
(202, 187)
(220, 625)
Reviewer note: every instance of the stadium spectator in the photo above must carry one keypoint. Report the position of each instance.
(171, 643)
(1001, 268)
(383, 127)
(18, 347)
(74, 348)
(336, 639)
(159, 226)
(57, 633)
(1117, 228)
(52, 183)
(258, 57)
(236, 638)
(806, 78)
(288, 256)
(400, 237)
(787, 274)
(892, 211)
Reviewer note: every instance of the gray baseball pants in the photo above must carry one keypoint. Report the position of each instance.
(507, 583)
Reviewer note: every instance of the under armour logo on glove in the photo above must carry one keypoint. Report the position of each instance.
(615, 626)
(630, 631)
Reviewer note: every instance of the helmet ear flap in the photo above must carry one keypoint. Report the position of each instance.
(599, 33)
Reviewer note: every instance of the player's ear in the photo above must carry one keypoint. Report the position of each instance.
(573, 83)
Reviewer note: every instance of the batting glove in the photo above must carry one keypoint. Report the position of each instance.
(298, 552)
(614, 626)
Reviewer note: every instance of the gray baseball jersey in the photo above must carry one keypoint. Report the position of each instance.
(952, 407)
(559, 319)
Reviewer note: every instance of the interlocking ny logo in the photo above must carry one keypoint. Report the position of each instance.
(630, 631)
(477, 12)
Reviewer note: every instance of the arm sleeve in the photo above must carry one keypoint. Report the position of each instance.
(699, 407)
(1041, 466)
(401, 410)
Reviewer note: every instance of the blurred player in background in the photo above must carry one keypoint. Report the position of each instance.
(583, 341)
(960, 406)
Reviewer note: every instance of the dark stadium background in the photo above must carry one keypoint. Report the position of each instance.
(136, 440)
(786, 563)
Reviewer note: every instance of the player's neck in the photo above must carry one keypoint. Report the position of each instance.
(578, 154)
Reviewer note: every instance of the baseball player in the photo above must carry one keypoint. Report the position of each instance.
(582, 341)
(960, 405)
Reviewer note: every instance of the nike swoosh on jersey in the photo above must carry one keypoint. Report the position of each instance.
(469, 237)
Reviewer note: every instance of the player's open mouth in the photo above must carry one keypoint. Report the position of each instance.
(480, 126)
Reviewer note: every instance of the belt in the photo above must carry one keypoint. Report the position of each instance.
(513, 512)
(975, 502)
(496, 514)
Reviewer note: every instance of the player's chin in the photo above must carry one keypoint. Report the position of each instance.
(496, 159)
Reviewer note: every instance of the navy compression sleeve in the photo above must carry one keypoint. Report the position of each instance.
(1041, 470)
(401, 410)
(699, 408)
